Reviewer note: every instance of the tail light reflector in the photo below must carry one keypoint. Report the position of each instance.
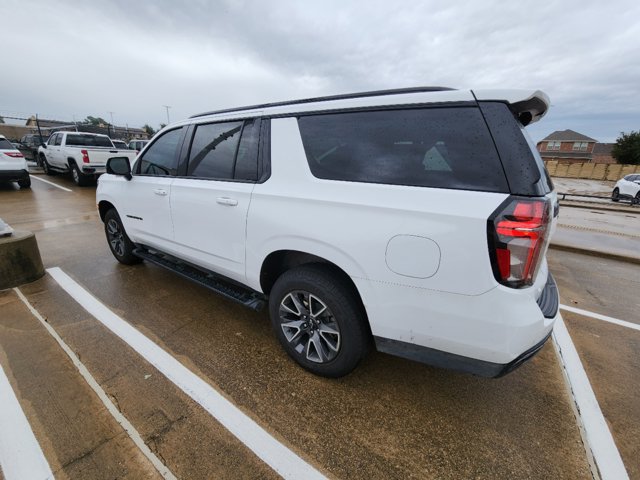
(85, 156)
(517, 235)
(14, 154)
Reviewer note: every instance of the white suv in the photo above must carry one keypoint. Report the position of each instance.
(416, 219)
(627, 187)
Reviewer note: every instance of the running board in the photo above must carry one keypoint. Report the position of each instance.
(244, 295)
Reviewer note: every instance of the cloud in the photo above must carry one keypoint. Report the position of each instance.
(75, 59)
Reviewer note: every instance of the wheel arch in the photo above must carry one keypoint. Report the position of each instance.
(280, 261)
(103, 207)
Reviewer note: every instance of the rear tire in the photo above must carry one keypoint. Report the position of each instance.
(119, 243)
(79, 178)
(25, 182)
(615, 196)
(319, 320)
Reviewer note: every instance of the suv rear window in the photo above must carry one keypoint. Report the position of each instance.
(431, 147)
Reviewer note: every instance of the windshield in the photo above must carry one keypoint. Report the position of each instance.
(89, 141)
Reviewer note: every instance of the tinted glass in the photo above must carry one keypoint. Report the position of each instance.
(6, 144)
(247, 159)
(89, 141)
(59, 139)
(161, 159)
(213, 150)
(437, 147)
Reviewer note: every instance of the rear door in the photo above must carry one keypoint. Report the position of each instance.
(146, 212)
(209, 204)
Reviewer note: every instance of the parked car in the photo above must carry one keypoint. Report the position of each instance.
(627, 187)
(82, 154)
(137, 145)
(13, 166)
(119, 144)
(414, 219)
(29, 145)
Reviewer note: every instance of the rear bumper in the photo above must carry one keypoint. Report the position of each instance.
(451, 361)
(93, 169)
(487, 335)
(13, 175)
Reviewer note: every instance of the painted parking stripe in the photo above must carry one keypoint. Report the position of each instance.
(20, 454)
(280, 458)
(51, 183)
(597, 435)
(598, 316)
(121, 419)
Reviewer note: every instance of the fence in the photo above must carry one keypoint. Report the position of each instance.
(590, 171)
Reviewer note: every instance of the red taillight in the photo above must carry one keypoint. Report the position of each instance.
(85, 156)
(517, 234)
(14, 154)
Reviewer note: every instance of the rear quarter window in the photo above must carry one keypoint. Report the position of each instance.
(429, 147)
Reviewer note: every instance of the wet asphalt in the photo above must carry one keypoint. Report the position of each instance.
(391, 418)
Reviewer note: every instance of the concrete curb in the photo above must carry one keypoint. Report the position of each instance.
(595, 253)
(20, 259)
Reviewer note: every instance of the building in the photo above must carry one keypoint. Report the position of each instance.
(567, 146)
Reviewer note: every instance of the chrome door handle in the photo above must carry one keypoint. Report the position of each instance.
(231, 202)
(159, 191)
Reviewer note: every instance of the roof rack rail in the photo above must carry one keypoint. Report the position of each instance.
(375, 93)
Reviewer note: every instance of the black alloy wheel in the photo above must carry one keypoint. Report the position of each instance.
(119, 243)
(319, 319)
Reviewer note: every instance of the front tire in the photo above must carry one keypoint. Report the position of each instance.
(319, 320)
(636, 199)
(119, 243)
(45, 165)
(615, 196)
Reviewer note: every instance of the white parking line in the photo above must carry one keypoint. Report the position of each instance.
(51, 183)
(121, 419)
(598, 316)
(595, 431)
(20, 454)
(280, 458)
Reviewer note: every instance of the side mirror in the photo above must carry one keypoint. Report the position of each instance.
(44, 145)
(119, 166)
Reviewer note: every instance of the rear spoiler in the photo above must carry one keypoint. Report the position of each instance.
(528, 106)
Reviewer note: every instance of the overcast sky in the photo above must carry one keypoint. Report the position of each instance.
(66, 60)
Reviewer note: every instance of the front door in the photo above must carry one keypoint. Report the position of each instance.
(148, 215)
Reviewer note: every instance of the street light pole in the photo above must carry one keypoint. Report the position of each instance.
(112, 128)
(167, 107)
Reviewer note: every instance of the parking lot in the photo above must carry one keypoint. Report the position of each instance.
(242, 409)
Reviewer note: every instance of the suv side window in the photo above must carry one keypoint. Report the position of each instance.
(213, 150)
(225, 151)
(52, 140)
(428, 147)
(161, 159)
(59, 139)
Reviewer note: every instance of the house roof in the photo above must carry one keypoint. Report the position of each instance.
(568, 136)
(603, 148)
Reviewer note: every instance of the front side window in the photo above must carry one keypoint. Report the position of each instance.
(430, 147)
(52, 140)
(59, 139)
(161, 159)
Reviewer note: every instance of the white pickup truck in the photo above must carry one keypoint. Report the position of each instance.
(83, 154)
